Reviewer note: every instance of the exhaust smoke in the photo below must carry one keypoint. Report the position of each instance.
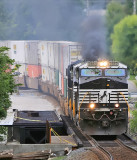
(94, 38)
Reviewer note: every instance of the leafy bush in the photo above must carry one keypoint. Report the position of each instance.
(7, 82)
(3, 131)
(133, 122)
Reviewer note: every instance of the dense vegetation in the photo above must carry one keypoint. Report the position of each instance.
(7, 83)
(134, 120)
(124, 40)
(121, 33)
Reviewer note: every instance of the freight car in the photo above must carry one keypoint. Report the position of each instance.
(55, 58)
(98, 96)
(43, 64)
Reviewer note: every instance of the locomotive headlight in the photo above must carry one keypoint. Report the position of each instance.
(92, 106)
(103, 64)
(117, 105)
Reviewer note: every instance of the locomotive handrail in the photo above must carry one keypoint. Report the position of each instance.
(82, 102)
(125, 101)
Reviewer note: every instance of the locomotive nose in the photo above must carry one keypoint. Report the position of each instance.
(105, 123)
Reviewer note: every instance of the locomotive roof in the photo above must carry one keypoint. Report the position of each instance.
(94, 64)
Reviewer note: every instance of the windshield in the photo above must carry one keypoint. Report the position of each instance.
(115, 72)
(88, 72)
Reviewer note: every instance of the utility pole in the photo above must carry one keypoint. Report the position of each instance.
(134, 6)
(87, 7)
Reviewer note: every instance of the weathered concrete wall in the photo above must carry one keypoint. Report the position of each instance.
(23, 148)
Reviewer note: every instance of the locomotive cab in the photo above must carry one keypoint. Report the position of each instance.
(99, 97)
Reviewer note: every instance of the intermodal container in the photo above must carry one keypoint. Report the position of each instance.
(32, 52)
(56, 55)
(17, 51)
(45, 74)
(65, 87)
(43, 49)
(57, 77)
(75, 51)
(4, 43)
(34, 71)
(51, 54)
(60, 84)
(51, 75)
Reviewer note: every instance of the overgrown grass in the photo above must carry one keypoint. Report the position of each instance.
(135, 81)
(132, 77)
(133, 121)
(3, 131)
(59, 158)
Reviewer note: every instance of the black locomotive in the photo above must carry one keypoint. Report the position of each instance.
(98, 96)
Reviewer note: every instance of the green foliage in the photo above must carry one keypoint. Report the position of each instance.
(7, 83)
(129, 7)
(3, 131)
(59, 158)
(135, 81)
(132, 77)
(133, 122)
(136, 105)
(115, 12)
(124, 41)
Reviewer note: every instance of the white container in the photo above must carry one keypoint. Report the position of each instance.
(32, 56)
(56, 46)
(4, 43)
(17, 51)
(60, 84)
(51, 54)
(43, 50)
(51, 75)
(45, 74)
(75, 51)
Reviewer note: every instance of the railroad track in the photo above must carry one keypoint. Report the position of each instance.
(119, 150)
(97, 149)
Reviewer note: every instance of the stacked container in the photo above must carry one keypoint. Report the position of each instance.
(17, 52)
(44, 64)
(33, 64)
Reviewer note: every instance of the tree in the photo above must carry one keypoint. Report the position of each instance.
(133, 122)
(7, 83)
(124, 40)
(115, 12)
(129, 7)
(7, 23)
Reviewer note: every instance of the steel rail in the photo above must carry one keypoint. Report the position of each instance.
(104, 151)
(122, 144)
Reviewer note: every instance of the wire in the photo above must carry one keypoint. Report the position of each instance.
(62, 139)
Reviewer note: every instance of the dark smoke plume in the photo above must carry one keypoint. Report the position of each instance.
(45, 19)
(93, 38)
